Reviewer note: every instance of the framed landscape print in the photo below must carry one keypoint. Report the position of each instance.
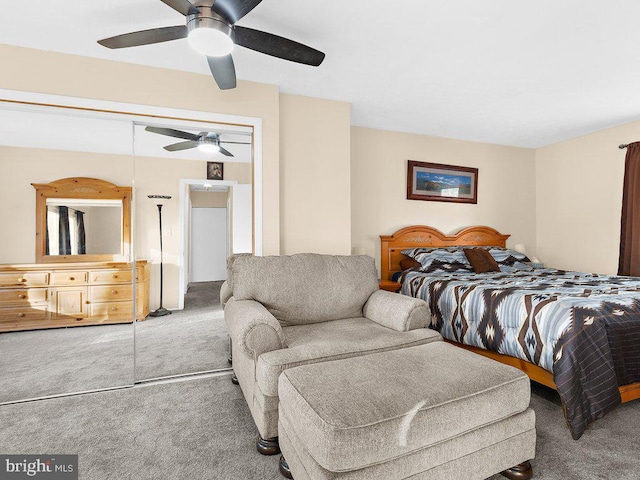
(441, 183)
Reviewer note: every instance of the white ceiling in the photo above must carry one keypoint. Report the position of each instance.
(524, 73)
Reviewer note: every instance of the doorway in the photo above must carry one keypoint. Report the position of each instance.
(209, 244)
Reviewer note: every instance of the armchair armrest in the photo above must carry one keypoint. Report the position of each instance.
(253, 329)
(225, 293)
(396, 311)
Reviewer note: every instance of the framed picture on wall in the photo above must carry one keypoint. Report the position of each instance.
(441, 183)
(215, 171)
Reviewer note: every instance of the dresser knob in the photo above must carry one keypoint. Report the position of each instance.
(22, 280)
(113, 309)
(115, 276)
(22, 295)
(21, 314)
(114, 292)
(72, 278)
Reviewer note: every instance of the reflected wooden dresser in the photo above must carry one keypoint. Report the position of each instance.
(38, 296)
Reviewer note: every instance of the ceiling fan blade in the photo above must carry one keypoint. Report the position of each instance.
(182, 6)
(234, 10)
(170, 132)
(236, 143)
(226, 152)
(276, 46)
(181, 146)
(224, 71)
(145, 37)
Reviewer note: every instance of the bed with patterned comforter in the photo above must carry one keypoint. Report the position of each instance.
(584, 328)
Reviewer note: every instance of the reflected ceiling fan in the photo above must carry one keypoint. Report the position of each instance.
(208, 142)
(211, 30)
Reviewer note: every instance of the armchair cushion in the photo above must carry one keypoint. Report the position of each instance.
(226, 290)
(252, 327)
(396, 311)
(306, 288)
(320, 342)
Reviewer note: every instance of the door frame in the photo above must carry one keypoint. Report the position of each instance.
(184, 225)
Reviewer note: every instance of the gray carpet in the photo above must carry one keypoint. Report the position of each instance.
(202, 429)
(49, 362)
(188, 341)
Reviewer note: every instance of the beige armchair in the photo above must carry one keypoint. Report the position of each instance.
(307, 308)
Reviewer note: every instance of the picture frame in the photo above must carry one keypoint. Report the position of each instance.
(215, 171)
(438, 182)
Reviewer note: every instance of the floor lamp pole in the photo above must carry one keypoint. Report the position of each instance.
(161, 311)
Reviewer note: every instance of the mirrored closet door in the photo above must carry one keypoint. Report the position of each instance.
(67, 281)
(193, 208)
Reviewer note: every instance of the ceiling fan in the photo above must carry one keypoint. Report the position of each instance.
(208, 142)
(211, 30)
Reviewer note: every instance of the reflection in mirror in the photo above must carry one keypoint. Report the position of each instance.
(204, 220)
(66, 320)
(80, 219)
(83, 227)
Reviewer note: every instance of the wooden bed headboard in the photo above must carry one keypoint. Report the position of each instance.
(423, 236)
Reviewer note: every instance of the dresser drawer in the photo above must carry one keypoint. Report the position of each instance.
(69, 278)
(22, 296)
(111, 293)
(112, 311)
(22, 314)
(26, 279)
(111, 276)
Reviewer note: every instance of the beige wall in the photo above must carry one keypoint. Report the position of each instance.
(209, 199)
(328, 187)
(85, 77)
(315, 212)
(579, 200)
(161, 176)
(506, 187)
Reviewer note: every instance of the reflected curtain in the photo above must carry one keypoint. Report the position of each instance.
(64, 231)
(46, 245)
(629, 263)
(82, 241)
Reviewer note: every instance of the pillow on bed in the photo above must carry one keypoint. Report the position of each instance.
(414, 252)
(481, 260)
(407, 263)
(448, 259)
(510, 260)
(515, 267)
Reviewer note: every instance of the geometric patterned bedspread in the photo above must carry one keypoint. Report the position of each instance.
(584, 328)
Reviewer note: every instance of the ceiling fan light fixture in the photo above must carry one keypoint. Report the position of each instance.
(210, 36)
(208, 145)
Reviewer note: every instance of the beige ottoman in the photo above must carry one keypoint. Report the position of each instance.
(432, 411)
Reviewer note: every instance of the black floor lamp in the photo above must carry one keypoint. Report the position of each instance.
(161, 311)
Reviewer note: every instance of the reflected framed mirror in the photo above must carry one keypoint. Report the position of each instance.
(82, 219)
